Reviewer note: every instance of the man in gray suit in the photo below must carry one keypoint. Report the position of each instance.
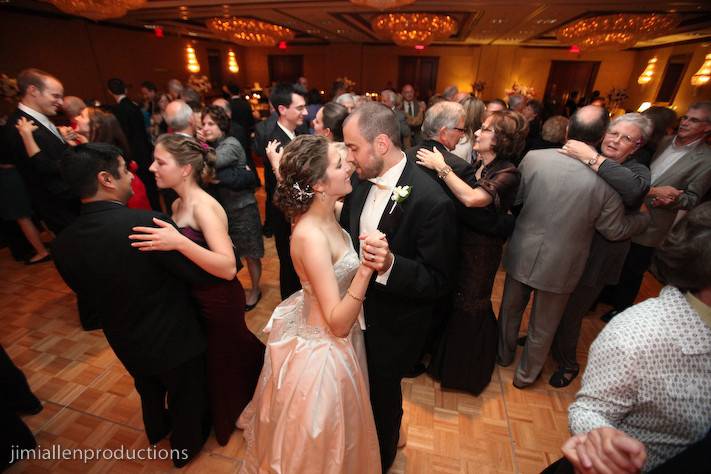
(563, 204)
(681, 177)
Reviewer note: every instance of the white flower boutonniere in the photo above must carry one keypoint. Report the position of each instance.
(400, 193)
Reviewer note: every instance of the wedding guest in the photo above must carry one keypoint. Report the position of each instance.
(72, 107)
(329, 121)
(649, 370)
(149, 92)
(310, 412)
(389, 99)
(38, 162)
(517, 103)
(346, 100)
(174, 89)
(141, 300)
(467, 353)
(552, 134)
(414, 111)
(474, 115)
(179, 117)
(313, 105)
(241, 109)
(665, 121)
(234, 354)
(238, 200)
(625, 135)
(681, 177)
(449, 92)
(547, 251)
(495, 105)
(236, 130)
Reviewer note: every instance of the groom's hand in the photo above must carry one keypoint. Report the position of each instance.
(376, 252)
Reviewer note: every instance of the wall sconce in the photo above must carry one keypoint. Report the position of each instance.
(648, 72)
(193, 65)
(232, 65)
(644, 106)
(703, 75)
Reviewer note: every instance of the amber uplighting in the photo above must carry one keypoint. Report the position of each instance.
(192, 63)
(232, 65)
(703, 75)
(248, 31)
(412, 29)
(648, 72)
(97, 9)
(613, 32)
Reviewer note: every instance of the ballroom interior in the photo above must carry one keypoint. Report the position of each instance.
(545, 50)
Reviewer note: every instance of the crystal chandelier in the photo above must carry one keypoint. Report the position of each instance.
(97, 9)
(248, 31)
(412, 29)
(382, 4)
(703, 75)
(614, 32)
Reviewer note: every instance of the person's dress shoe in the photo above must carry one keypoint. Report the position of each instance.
(46, 258)
(607, 317)
(563, 377)
(521, 387)
(416, 370)
(267, 232)
(250, 307)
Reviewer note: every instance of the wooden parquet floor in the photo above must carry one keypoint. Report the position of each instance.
(90, 402)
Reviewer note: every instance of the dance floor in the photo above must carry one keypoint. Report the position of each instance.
(90, 402)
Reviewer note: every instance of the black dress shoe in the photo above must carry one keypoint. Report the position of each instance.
(417, 370)
(607, 317)
(563, 377)
(250, 307)
(46, 258)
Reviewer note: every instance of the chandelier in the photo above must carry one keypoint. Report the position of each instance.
(412, 29)
(97, 9)
(248, 31)
(381, 4)
(614, 32)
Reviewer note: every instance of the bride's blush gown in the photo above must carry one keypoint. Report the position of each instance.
(311, 411)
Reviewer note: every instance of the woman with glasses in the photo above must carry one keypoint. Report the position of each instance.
(465, 357)
(630, 180)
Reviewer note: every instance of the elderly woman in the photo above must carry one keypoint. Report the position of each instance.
(649, 371)
(236, 196)
(465, 357)
(631, 181)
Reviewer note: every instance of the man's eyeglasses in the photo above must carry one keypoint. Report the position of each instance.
(693, 120)
(623, 138)
(458, 129)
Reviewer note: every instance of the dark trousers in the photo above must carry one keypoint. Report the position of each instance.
(187, 414)
(270, 183)
(622, 295)
(386, 400)
(288, 280)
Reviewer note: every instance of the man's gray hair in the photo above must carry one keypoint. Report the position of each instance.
(443, 114)
(390, 94)
(182, 117)
(645, 126)
(516, 101)
(347, 97)
(449, 92)
(705, 105)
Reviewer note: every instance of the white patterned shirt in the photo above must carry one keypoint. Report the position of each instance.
(649, 375)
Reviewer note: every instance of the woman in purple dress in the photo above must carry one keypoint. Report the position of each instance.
(234, 354)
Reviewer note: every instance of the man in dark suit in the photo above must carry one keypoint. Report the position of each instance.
(241, 110)
(141, 300)
(414, 111)
(291, 108)
(51, 198)
(414, 259)
(133, 124)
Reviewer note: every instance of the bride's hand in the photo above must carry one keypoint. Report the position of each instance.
(376, 251)
(163, 237)
(430, 159)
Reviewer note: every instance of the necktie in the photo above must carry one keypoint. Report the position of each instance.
(54, 130)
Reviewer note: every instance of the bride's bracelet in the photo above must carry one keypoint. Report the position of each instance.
(348, 291)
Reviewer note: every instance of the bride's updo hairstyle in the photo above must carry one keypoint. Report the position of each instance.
(189, 151)
(303, 164)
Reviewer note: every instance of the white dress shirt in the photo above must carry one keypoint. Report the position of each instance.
(649, 375)
(377, 203)
(41, 118)
(669, 157)
(288, 132)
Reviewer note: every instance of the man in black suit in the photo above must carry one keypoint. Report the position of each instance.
(133, 124)
(241, 110)
(414, 259)
(141, 300)
(52, 199)
(291, 108)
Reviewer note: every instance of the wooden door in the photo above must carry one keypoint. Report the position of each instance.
(421, 72)
(568, 76)
(285, 68)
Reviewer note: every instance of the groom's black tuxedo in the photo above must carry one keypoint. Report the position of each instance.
(422, 235)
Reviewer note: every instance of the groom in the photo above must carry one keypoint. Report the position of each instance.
(413, 261)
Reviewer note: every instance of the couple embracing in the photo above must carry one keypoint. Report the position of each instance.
(329, 397)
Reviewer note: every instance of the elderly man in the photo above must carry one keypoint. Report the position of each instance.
(414, 111)
(389, 99)
(547, 251)
(681, 177)
(495, 105)
(517, 103)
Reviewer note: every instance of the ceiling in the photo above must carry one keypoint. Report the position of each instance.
(508, 22)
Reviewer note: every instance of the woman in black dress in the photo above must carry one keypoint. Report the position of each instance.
(465, 357)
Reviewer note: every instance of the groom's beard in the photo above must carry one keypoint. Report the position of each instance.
(374, 169)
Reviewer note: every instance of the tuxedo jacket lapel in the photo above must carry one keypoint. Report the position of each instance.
(360, 193)
(390, 221)
(41, 129)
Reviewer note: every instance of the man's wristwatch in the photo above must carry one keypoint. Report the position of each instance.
(593, 161)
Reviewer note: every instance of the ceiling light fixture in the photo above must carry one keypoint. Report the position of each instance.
(97, 9)
(248, 31)
(411, 29)
(614, 32)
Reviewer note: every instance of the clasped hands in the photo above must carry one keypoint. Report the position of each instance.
(664, 195)
(376, 251)
(605, 451)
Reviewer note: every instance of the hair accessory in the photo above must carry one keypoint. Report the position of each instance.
(205, 146)
(301, 195)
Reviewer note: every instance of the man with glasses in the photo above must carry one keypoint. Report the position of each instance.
(681, 176)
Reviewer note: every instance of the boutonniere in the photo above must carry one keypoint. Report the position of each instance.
(400, 193)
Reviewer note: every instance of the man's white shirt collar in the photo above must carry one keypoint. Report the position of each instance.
(288, 132)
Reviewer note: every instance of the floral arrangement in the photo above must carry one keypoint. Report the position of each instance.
(200, 84)
(616, 97)
(8, 88)
(478, 88)
(518, 89)
(349, 84)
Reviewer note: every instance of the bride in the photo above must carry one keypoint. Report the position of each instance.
(311, 410)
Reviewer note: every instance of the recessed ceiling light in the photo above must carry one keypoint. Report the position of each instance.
(498, 20)
(192, 33)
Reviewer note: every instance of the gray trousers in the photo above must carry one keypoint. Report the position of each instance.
(565, 343)
(545, 315)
